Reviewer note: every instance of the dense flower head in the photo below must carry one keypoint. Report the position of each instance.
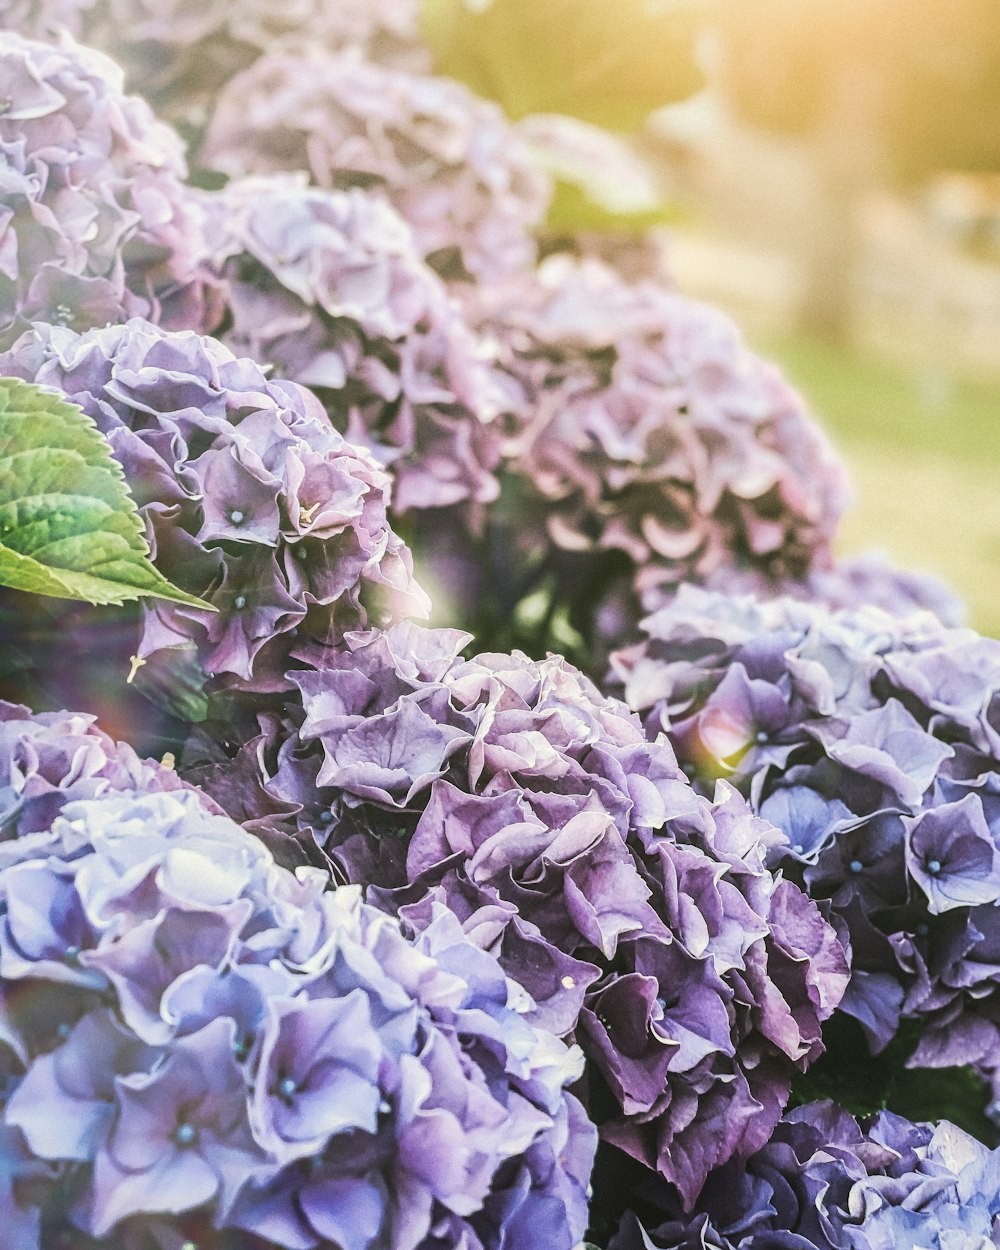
(328, 288)
(251, 499)
(631, 910)
(645, 426)
(190, 1028)
(826, 1182)
(95, 221)
(872, 743)
(644, 446)
(447, 160)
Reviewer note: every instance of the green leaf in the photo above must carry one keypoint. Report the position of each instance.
(68, 526)
(611, 64)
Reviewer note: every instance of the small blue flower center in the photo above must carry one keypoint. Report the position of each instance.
(856, 865)
(384, 1107)
(288, 1087)
(72, 954)
(240, 601)
(761, 736)
(934, 867)
(237, 517)
(186, 1134)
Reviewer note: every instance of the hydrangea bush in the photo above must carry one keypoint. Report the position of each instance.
(631, 910)
(97, 224)
(405, 920)
(873, 745)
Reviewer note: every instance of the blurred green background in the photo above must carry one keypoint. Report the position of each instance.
(923, 452)
(828, 171)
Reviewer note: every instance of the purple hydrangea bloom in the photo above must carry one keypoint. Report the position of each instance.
(646, 426)
(95, 222)
(198, 1034)
(328, 287)
(645, 446)
(449, 162)
(825, 1182)
(251, 499)
(872, 743)
(633, 912)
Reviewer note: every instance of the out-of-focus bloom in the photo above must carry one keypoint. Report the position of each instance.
(449, 162)
(825, 1183)
(96, 224)
(181, 55)
(251, 499)
(193, 1029)
(631, 910)
(644, 446)
(328, 288)
(369, 25)
(872, 743)
(40, 19)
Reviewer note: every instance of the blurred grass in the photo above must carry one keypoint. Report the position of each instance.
(923, 452)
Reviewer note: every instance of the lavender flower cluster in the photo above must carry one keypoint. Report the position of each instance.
(873, 745)
(824, 1182)
(449, 162)
(193, 1034)
(327, 287)
(631, 910)
(252, 500)
(644, 424)
(96, 224)
(646, 446)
